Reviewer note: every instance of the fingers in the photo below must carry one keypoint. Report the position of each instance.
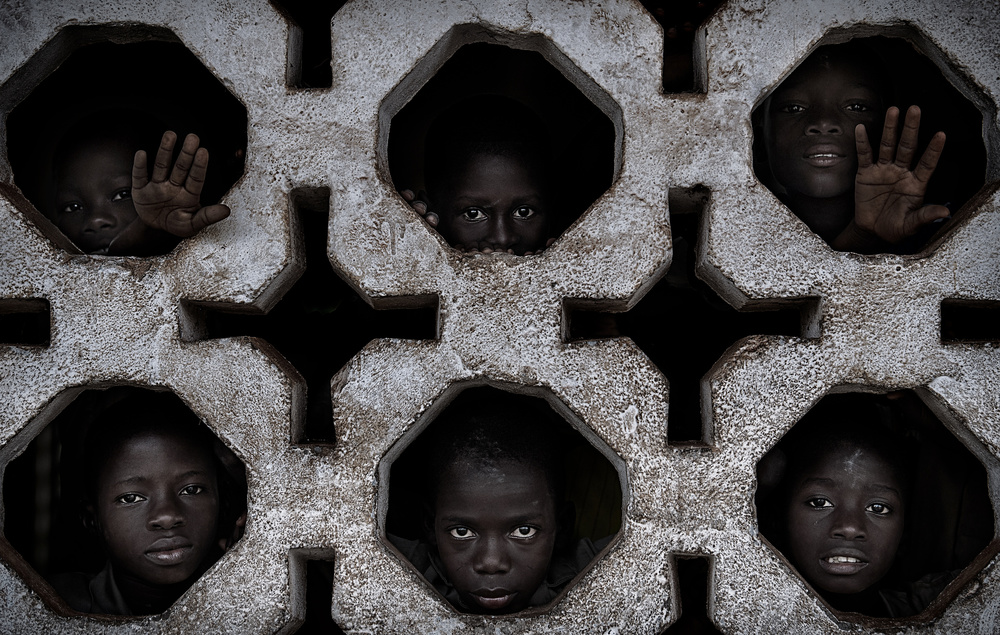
(432, 219)
(184, 160)
(407, 195)
(887, 149)
(195, 181)
(924, 215)
(908, 140)
(140, 173)
(161, 165)
(207, 216)
(929, 159)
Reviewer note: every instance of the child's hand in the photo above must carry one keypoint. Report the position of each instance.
(888, 196)
(173, 205)
(420, 206)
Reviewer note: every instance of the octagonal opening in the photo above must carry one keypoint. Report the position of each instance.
(82, 107)
(498, 502)
(805, 152)
(499, 151)
(121, 502)
(877, 506)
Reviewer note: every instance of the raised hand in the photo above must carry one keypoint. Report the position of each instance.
(174, 204)
(888, 195)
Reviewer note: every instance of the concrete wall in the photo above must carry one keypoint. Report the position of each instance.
(119, 320)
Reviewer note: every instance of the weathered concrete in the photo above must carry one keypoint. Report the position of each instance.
(117, 320)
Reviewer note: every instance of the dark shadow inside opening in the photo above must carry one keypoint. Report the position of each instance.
(311, 51)
(968, 321)
(320, 323)
(683, 325)
(695, 581)
(25, 322)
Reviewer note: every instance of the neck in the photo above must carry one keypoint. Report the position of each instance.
(825, 216)
(145, 598)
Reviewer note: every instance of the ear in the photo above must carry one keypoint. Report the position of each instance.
(238, 528)
(88, 516)
(427, 514)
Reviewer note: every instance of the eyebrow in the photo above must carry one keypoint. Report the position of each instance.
(830, 481)
(142, 479)
(519, 519)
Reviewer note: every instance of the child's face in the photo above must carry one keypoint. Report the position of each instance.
(94, 195)
(495, 530)
(157, 508)
(495, 203)
(845, 521)
(809, 127)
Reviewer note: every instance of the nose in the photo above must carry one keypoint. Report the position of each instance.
(502, 234)
(491, 556)
(102, 217)
(165, 514)
(849, 525)
(825, 120)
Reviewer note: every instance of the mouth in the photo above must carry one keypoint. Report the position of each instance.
(493, 599)
(168, 551)
(824, 155)
(840, 564)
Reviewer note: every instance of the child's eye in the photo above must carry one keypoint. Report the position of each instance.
(474, 214)
(524, 212)
(69, 208)
(819, 503)
(122, 195)
(858, 107)
(524, 531)
(128, 499)
(879, 508)
(792, 108)
(192, 490)
(461, 532)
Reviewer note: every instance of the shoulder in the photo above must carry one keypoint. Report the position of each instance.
(91, 593)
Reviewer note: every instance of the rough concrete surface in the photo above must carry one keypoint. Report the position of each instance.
(117, 320)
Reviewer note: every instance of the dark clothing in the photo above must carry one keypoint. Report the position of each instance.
(917, 595)
(97, 593)
(562, 569)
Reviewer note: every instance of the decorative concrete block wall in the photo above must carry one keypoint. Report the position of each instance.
(122, 321)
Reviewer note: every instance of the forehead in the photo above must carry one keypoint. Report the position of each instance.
(156, 454)
(852, 467)
(830, 72)
(489, 167)
(95, 153)
(504, 483)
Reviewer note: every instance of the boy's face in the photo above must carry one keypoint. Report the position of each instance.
(809, 127)
(494, 203)
(94, 195)
(845, 521)
(495, 529)
(158, 507)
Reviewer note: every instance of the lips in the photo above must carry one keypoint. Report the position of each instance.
(169, 551)
(825, 155)
(493, 599)
(843, 562)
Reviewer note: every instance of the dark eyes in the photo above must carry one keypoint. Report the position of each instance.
(192, 490)
(818, 503)
(524, 531)
(69, 208)
(121, 195)
(474, 214)
(792, 108)
(128, 499)
(461, 532)
(524, 212)
(880, 509)
(859, 107)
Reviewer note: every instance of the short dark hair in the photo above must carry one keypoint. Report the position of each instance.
(490, 429)
(493, 125)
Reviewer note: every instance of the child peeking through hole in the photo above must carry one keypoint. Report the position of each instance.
(106, 200)
(489, 179)
(816, 128)
(497, 524)
(164, 497)
(838, 512)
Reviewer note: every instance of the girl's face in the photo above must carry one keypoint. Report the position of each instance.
(495, 530)
(845, 521)
(157, 508)
(809, 127)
